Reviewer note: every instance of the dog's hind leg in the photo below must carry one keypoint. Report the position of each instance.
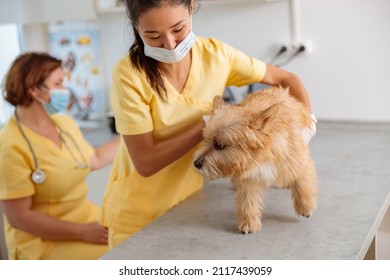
(250, 198)
(304, 192)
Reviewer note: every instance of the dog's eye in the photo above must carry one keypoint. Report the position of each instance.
(218, 146)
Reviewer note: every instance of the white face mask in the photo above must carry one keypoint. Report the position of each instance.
(171, 56)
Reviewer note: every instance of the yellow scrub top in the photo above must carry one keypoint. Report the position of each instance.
(132, 201)
(62, 195)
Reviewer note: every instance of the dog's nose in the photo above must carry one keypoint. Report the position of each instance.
(198, 163)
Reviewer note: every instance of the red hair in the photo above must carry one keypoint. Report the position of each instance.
(29, 70)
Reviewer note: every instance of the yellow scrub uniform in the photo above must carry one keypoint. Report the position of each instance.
(62, 195)
(132, 201)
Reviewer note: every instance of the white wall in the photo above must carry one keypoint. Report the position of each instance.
(117, 38)
(346, 74)
(37, 11)
(10, 48)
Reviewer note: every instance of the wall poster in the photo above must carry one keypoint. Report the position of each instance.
(78, 46)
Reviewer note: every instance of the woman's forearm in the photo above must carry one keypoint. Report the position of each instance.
(20, 215)
(150, 157)
(297, 90)
(276, 76)
(104, 154)
(45, 226)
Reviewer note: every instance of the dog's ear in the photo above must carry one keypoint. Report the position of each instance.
(264, 119)
(218, 103)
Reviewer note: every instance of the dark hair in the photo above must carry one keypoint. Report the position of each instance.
(134, 9)
(27, 71)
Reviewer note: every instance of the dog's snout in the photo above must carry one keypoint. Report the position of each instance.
(198, 163)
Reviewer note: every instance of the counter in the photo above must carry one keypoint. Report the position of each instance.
(351, 222)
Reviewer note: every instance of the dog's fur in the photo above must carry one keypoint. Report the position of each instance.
(257, 144)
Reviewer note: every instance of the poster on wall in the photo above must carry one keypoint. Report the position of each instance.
(78, 46)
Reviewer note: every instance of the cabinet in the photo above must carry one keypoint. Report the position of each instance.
(208, 2)
(44, 11)
(103, 8)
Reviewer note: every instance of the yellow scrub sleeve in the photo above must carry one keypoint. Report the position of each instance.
(132, 201)
(62, 195)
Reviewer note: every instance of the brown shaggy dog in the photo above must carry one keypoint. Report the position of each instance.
(259, 143)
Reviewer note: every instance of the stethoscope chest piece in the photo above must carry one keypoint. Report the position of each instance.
(38, 176)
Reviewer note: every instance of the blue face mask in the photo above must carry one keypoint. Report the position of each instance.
(59, 100)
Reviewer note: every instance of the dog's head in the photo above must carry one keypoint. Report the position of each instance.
(235, 140)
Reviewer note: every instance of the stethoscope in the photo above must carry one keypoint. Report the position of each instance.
(39, 176)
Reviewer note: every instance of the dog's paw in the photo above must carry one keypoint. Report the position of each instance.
(246, 227)
(303, 211)
(246, 232)
(305, 214)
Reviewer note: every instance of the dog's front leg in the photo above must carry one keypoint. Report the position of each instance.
(250, 196)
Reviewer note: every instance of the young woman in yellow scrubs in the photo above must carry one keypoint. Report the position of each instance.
(159, 94)
(44, 161)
